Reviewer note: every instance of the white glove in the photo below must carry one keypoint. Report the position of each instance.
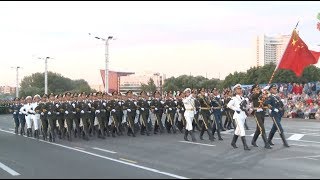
(162, 102)
(156, 109)
(119, 103)
(176, 102)
(177, 110)
(66, 112)
(14, 113)
(57, 105)
(149, 102)
(57, 113)
(129, 110)
(97, 111)
(182, 109)
(49, 113)
(221, 110)
(42, 113)
(74, 105)
(113, 110)
(89, 105)
(259, 110)
(276, 110)
(195, 112)
(74, 112)
(142, 109)
(104, 104)
(170, 109)
(135, 103)
(20, 112)
(82, 112)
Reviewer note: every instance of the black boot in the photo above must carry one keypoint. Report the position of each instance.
(245, 146)
(266, 144)
(234, 140)
(219, 135)
(285, 143)
(201, 134)
(211, 138)
(270, 138)
(192, 136)
(186, 135)
(21, 132)
(254, 139)
(28, 132)
(16, 130)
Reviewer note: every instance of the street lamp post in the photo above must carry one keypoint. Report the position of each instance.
(45, 73)
(106, 79)
(17, 80)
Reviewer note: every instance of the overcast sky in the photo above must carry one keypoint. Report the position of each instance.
(173, 38)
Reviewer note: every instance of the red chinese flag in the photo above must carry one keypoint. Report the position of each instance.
(297, 55)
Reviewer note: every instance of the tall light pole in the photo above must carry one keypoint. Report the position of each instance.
(45, 73)
(106, 79)
(17, 80)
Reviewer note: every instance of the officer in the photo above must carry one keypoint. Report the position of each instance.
(26, 110)
(229, 122)
(258, 101)
(216, 105)
(115, 114)
(100, 115)
(239, 116)
(276, 107)
(84, 115)
(69, 115)
(196, 121)
(181, 121)
(52, 117)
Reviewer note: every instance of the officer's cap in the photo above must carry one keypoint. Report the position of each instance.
(187, 89)
(36, 96)
(156, 92)
(28, 97)
(114, 93)
(16, 99)
(143, 92)
(45, 96)
(236, 86)
(51, 94)
(67, 94)
(129, 92)
(254, 86)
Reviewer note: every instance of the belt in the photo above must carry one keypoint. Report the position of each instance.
(190, 109)
(216, 107)
(204, 108)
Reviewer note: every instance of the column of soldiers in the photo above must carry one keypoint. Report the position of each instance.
(103, 115)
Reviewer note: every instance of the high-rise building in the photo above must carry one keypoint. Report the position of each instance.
(269, 49)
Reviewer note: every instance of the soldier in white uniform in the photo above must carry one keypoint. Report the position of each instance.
(26, 110)
(239, 116)
(36, 115)
(190, 109)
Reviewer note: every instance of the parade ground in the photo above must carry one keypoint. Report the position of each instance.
(163, 156)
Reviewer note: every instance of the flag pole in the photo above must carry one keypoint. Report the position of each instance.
(274, 72)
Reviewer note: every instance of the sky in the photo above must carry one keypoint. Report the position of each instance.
(204, 38)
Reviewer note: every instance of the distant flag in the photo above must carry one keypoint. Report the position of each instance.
(297, 56)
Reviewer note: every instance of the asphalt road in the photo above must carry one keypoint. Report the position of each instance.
(162, 156)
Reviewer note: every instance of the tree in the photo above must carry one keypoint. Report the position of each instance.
(57, 84)
(150, 87)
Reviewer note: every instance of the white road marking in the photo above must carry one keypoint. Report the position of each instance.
(296, 137)
(11, 129)
(251, 134)
(298, 145)
(188, 142)
(111, 159)
(310, 129)
(299, 157)
(104, 150)
(311, 158)
(227, 131)
(79, 148)
(9, 170)
(128, 160)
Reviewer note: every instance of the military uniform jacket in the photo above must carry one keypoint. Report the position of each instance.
(115, 105)
(216, 104)
(15, 108)
(39, 109)
(143, 106)
(180, 106)
(157, 106)
(69, 109)
(130, 107)
(275, 103)
(170, 106)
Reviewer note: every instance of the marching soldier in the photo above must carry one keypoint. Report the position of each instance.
(216, 105)
(26, 110)
(205, 113)
(188, 102)
(196, 123)
(229, 112)
(276, 107)
(92, 115)
(15, 108)
(42, 106)
(100, 115)
(51, 109)
(84, 115)
(130, 107)
(170, 109)
(156, 106)
(144, 107)
(115, 114)
(258, 99)
(22, 118)
(77, 114)
(239, 116)
(180, 111)
(60, 116)
(69, 115)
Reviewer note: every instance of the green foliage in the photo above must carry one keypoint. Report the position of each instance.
(34, 84)
(150, 87)
(260, 75)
